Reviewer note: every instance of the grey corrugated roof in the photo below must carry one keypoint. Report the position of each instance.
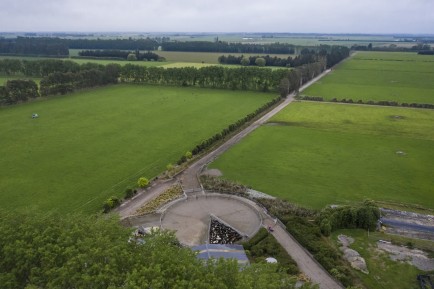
(227, 251)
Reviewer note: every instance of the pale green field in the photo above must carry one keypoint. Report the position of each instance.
(316, 154)
(391, 76)
(92, 144)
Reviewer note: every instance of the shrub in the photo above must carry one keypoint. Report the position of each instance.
(129, 193)
(143, 182)
(111, 203)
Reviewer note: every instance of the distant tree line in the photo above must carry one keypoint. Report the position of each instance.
(420, 48)
(426, 52)
(58, 77)
(119, 54)
(43, 46)
(269, 61)
(243, 78)
(370, 102)
(38, 68)
(113, 44)
(46, 46)
(220, 46)
(331, 54)
(65, 82)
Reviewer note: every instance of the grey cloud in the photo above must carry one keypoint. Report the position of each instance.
(339, 16)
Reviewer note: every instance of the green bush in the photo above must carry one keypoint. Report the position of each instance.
(129, 193)
(263, 245)
(142, 182)
(111, 203)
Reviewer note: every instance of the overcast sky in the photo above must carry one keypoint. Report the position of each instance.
(322, 16)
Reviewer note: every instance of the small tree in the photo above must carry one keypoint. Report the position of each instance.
(260, 61)
(188, 155)
(143, 182)
(170, 167)
(132, 57)
(111, 203)
(245, 61)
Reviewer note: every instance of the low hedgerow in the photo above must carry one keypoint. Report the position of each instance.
(211, 183)
(264, 245)
(110, 204)
(170, 194)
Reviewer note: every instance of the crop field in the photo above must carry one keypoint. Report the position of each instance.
(316, 154)
(87, 146)
(401, 77)
(98, 61)
(205, 57)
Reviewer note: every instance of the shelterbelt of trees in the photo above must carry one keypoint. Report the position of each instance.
(56, 251)
(59, 47)
(61, 77)
(330, 54)
(120, 54)
(420, 48)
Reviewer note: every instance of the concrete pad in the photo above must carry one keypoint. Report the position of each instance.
(190, 218)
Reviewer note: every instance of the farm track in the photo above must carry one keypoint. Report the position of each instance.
(190, 182)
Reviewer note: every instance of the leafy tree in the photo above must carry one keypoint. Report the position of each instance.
(142, 182)
(260, 61)
(132, 57)
(245, 61)
(188, 155)
(40, 250)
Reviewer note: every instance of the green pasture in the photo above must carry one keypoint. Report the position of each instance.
(316, 154)
(205, 57)
(401, 77)
(87, 146)
(98, 61)
(4, 78)
(384, 273)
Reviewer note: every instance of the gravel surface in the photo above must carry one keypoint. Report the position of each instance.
(415, 257)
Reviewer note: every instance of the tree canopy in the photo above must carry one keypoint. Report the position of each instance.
(55, 251)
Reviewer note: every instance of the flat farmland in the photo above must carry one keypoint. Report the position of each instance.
(87, 146)
(97, 61)
(401, 77)
(4, 78)
(206, 57)
(316, 154)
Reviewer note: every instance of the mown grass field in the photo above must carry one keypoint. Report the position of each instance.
(98, 61)
(401, 77)
(384, 273)
(89, 145)
(205, 57)
(316, 154)
(4, 78)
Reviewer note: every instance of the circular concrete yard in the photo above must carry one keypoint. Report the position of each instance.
(190, 218)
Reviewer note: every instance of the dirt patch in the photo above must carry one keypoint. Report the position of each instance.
(414, 257)
(213, 173)
(397, 117)
(352, 256)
